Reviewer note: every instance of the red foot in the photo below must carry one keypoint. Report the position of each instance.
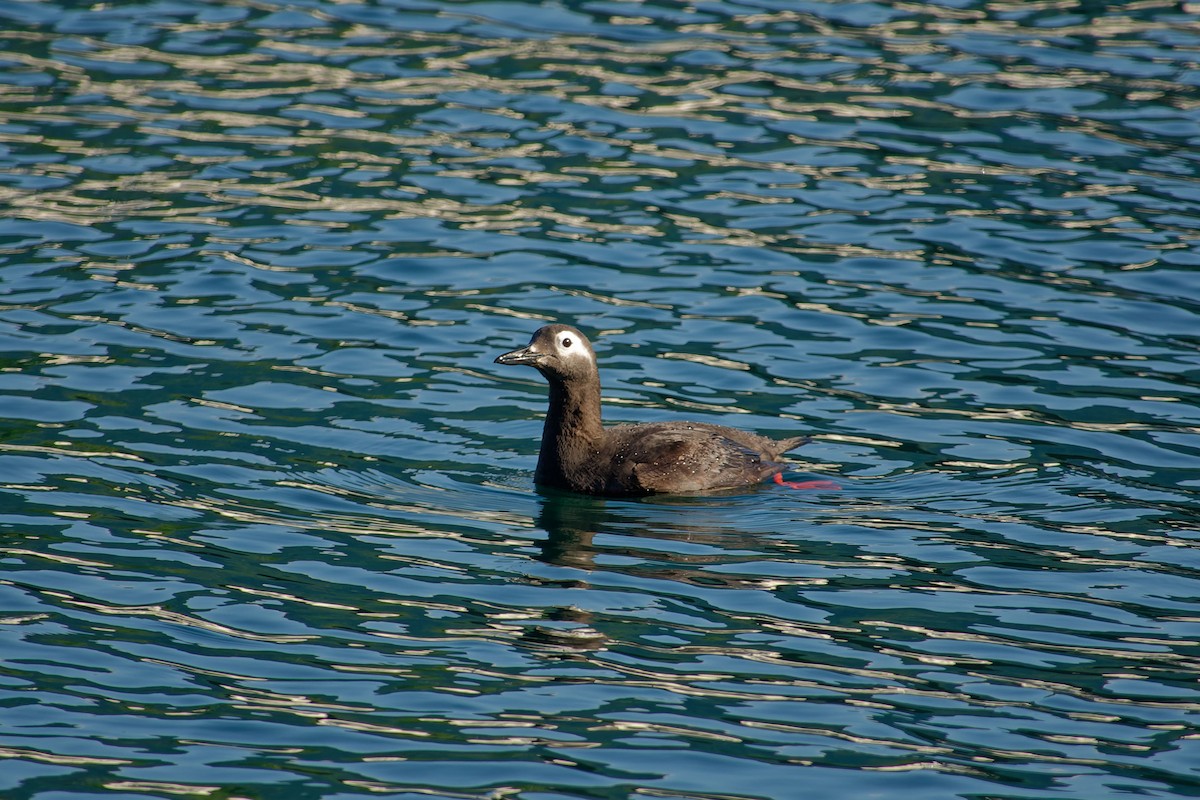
(826, 485)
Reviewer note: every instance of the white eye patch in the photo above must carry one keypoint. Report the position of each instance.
(571, 346)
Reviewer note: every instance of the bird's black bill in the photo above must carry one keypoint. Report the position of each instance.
(522, 355)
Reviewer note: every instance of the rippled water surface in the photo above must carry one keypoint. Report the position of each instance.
(268, 526)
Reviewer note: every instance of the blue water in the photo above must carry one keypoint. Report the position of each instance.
(268, 526)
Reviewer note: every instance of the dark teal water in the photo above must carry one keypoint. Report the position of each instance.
(267, 520)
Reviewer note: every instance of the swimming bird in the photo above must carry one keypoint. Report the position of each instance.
(581, 455)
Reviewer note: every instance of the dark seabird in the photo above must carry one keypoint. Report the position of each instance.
(581, 455)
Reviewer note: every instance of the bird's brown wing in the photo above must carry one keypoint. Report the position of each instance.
(680, 458)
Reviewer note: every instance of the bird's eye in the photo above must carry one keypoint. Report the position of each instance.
(566, 342)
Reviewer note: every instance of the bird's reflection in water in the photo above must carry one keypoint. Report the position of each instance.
(572, 521)
(676, 538)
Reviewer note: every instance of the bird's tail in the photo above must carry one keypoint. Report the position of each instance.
(784, 445)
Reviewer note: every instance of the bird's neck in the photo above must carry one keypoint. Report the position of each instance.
(573, 430)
